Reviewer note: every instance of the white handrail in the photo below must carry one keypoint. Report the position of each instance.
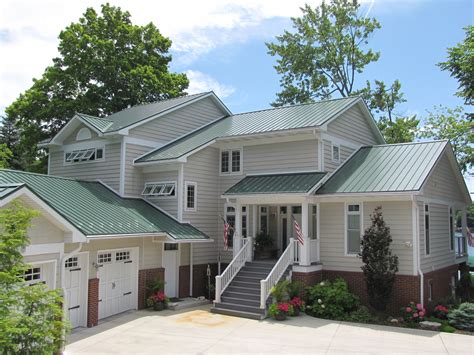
(244, 255)
(288, 257)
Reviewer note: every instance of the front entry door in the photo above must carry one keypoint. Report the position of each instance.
(284, 232)
(171, 263)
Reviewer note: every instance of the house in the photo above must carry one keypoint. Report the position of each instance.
(144, 193)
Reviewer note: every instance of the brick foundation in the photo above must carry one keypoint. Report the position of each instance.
(308, 278)
(440, 281)
(93, 303)
(145, 280)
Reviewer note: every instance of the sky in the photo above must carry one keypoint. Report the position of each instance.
(220, 44)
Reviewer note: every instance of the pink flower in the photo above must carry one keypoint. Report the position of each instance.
(419, 306)
(283, 307)
(415, 315)
(408, 309)
(422, 314)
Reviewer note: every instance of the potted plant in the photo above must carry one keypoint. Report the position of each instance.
(279, 311)
(158, 301)
(297, 305)
(263, 244)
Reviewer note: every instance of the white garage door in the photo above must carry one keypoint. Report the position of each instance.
(75, 282)
(118, 271)
(41, 272)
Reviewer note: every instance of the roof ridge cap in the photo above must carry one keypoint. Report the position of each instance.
(405, 143)
(47, 176)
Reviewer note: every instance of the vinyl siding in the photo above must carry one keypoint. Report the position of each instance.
(353, 126)
(133, 175)
(202, 168)
(440, 253)
(43, 231)
(168, 204)
(397, 216)
(72, 137)
(179, 122)
(442, 183)
(107, 170)
(329, 164)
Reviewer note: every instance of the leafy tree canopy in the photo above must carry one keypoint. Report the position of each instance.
(105, 64)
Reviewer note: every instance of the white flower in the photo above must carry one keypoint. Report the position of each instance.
(323, 306)
(322, 283)
(319, 301)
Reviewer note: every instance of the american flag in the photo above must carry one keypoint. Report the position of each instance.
(299, 233)
(470, 238)
(226, 234)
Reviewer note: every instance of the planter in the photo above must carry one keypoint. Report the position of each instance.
(279, 317)
(159, 306)
(296, 312)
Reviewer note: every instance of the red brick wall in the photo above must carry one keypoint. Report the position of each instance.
(308, 278)
(440, 281)
(93, 303)
(145, 280)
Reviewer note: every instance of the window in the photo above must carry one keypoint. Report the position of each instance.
(83, 134)
(296, 210)
(191, 196)
(103, 258)
(335, 153)
(427, 230)
(230, 218)
(78, 156)
(171, 246)
(353, 228)
(231, 161)
(314, 222)
(160, 189)
(283, 210)
(122, 255)
(451, 228)
(430, 290)
(244, 221)
(32, 274)
(264, 220)
(71, 262)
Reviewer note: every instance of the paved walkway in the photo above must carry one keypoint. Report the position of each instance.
(198, 331)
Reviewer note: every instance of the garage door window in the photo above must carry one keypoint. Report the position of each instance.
(122, 255)
(104, 258)
(32, 274)
(71, 262)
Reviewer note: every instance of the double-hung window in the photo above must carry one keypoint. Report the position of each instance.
(83, 155)
(353, 228)
(231, 161)
(336, 153)
(160, 189)
(191, 196)
(451, 228)
(427, 229)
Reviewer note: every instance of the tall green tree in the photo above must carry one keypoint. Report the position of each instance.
(456, 126)
(326, 53)
(460, 64)
(105, 64)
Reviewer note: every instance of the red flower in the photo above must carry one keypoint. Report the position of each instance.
(159, 296)
(296, 302)
(283, 307)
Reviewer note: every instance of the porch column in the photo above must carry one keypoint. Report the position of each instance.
(305, 249)
(464, 231)
(237, 229)
(254, 221)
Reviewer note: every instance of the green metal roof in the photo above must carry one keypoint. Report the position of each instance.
(136, 114)
(385, 168)
(7, 189)
(270, 120)
(276, 184)
(96, 210)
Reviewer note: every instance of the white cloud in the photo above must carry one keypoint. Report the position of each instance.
(200, 82)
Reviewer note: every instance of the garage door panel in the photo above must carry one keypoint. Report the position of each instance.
(75, 280)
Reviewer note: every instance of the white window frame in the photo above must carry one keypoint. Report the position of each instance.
(338, 150)
(314, 218)
(346, 234)
(226, 214)
(83, 134)
(186, 208)
(263, 214)
(82, 153)
(164, 183)
(427, 213)
(245, 214)
(230, 172)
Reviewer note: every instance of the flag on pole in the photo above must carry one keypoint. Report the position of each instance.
(470, 238)
(226, 234)
(299, 233)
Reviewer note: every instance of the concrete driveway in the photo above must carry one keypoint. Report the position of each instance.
(197, 331)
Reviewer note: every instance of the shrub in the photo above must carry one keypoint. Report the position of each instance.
(331, 300)
(441, 312)
(413, 312)
(360, 315)
(297, 302)
(279, 292)
(462, 317)
(380, 265)
(280, 308)
(295, 289)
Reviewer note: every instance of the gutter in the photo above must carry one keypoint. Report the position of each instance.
(416, 251)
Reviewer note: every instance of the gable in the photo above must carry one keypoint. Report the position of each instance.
(353, 124)
(73, 135)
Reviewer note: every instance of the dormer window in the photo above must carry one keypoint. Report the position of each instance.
(231, 161)
(83, 134)
(160, 189)
(83, 155)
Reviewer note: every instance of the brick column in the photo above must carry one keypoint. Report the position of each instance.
(145, 280)
(93, 303)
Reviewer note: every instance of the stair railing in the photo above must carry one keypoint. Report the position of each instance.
(244, 255)
(288, 257)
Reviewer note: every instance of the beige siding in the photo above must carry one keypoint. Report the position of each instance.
(72, 137)
(202, 168)
(133, 185)
(397, 216)
(168, 204)
(107, 170)
(443, 183)
(43, 231)
(179, 122)
(329, 164)
(441, 254)
(184, 256)
(353, 126)
(281, 157)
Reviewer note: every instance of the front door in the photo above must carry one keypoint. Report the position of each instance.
(75, 279)
(284, 232)
(171, 263)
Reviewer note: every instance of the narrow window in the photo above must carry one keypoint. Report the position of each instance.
(190, 196)
(353, 223)
(314, 222)
(335, 153)
(264, 220)
(225, 162)
(244, 221)
(451, 228)
(427, 230)
(230, 218)
(235, 161)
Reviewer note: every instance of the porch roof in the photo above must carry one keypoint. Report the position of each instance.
(276, 184)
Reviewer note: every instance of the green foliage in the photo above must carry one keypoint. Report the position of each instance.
(400, 130)
(295, 289)
(465, 287)
(331, 300)
(460, 64)
(5, 156)
(157, 285)
(361, 315)
(31, 318)
(462, 317)
(263, 242)
(279, 292)
(105, 64)
(445, 327)
(456, 126)
(324, 53)
(380, 265)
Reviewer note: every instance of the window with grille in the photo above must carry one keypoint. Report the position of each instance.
(336, 153)
(32, 274)
(77, 156)
(353, 228)
(103, 258)
(71, 262)
(122, 255)
(191, 196)
(231, 161)
(160, 189)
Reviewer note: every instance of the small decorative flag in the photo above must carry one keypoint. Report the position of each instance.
(299, 233)
(226, 234)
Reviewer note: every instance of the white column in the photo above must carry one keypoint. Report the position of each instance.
(254, 221)
(464, 230)
(237, 229)
(305, 249)
(191, 269)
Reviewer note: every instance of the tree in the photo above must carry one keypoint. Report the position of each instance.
(31, 318)
(460, 64)
(5, 156)
(105, 64)
(456, 126)
(380, 266)
(8, 142)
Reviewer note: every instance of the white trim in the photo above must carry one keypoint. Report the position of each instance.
(307, 268)
(123, 154)
(334, 160)
(83, 134)
(415, 246)
(74, 163)
(451, 227)
(186, 208)
(49, 162)
(162, 197)
(361, 224)
(178, 263)
(340, 142)
(191, 265)
(54, 267)
(230, 151)
(71, 122)
(283, 173)
(94, 143)
(180, 193)
(46, 248)
(441, 201)
(320, 155)
(143, 142)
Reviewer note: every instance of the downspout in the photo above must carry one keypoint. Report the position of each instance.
(191, 261)
(416, 237)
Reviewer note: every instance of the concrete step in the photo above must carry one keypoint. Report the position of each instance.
(240, 301)
(239, 307)
(244, 295)
(257, 269)
(249, 279)
(256, 274)
(243, 289)
(265, 264)
(241, 314)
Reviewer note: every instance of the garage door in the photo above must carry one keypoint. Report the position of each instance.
(75, 282)
(117, 281)
(43, 272)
